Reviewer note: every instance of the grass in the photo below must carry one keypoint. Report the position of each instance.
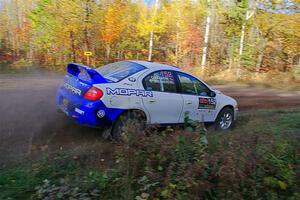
(20, 182)
(258, 159)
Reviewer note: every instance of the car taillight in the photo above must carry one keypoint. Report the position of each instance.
(93, 94)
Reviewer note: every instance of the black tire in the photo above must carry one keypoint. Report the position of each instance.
(134, 117)
(225, 119)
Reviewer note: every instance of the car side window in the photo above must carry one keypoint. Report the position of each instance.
(191, 85)
(162, 81)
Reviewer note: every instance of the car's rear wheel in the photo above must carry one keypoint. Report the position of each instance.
(131, 121)
(225, 119)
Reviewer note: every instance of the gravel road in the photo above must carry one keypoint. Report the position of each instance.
(30, 124)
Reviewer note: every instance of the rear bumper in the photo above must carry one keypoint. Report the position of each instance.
(85, 112)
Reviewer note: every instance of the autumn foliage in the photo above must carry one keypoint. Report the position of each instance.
(247, 35)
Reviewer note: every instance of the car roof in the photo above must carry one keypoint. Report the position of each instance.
(156, 66)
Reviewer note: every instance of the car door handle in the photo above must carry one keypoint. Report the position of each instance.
(188, 103)
(152, 101)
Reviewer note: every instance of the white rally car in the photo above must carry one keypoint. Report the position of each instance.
(158, 93)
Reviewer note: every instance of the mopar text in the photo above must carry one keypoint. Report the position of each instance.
(129, 92)
(72, 88)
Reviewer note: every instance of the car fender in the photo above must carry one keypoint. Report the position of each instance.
(123, 95)
(222, 102)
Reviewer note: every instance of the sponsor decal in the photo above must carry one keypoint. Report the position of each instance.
(101, 113)
(79, 111)
(131, 79)
(207, 103)
(72, 88)
(129, 92)
(165, 77)
(88, 53)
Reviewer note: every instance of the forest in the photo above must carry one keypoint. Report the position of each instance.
(240, 38)
(244, 48)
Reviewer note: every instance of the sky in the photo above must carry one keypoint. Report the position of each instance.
(286, 7)
(148, 1)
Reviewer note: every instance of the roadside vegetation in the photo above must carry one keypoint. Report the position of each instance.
(257, 160)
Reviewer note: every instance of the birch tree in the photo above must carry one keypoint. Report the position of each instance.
(152, 31)
(249, 13)
(206, 37)
(178, 11)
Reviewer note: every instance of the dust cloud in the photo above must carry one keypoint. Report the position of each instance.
(30, 123)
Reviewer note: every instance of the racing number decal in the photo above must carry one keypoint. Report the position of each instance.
(207, 103)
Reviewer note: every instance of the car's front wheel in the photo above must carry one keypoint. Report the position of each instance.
(225, 119)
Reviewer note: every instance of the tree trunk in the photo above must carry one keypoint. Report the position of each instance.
(249, 13)
(204, 55)
(17, 42)
(261, 55)
(177, 43)
(86, 29)
(107, 52)
(259, 61)
(150, 46)
(30, 53)
(177, 34)
(152, 33)
(119, 55)
(231, 53)
(242, 40)
(73, 46)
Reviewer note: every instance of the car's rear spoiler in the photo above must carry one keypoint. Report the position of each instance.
(88, 74)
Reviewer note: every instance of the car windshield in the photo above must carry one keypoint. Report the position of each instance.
(119, 70)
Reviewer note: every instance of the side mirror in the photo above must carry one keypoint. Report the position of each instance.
(212, 94)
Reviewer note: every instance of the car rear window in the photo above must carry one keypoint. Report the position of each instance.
(119, 70)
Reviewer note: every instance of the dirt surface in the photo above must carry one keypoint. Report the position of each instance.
(251, 98)
(31, 126)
